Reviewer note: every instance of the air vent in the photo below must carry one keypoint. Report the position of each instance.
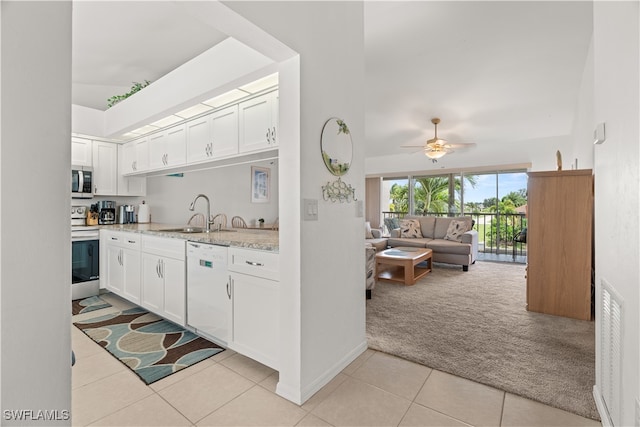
(611, 351)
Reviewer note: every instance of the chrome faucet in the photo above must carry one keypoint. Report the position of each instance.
(207, 220)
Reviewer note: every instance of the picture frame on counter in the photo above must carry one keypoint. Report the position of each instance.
(260, 184)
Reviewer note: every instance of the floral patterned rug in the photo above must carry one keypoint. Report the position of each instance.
(149, 345)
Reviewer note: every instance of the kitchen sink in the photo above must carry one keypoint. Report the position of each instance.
(189, 230)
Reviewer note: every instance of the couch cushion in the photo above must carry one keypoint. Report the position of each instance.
(419, 242)
(449, 247)
(379, 244)
(456, 230)
(410, 228)
(392, 223)
(427, 224)
(442, 225)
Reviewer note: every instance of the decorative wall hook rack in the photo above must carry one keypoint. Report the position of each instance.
(338, 191)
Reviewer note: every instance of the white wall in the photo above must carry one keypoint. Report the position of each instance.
(35, 265)
(228, 189)
(329, 38)
(539, 153)
(583, 126)
(617, 180)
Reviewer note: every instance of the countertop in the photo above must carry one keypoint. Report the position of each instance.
(265, 240)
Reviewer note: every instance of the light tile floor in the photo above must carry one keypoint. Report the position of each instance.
(232, 390)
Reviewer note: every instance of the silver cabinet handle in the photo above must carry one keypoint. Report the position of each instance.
(114, 238)
(158, 268)
(131, 241)
(273, 135)
(268, 135)
(228, 288)
(256, 264)
(162, 268)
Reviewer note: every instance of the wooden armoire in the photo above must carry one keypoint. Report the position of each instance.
(559, 243)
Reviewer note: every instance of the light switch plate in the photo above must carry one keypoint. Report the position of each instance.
(310, 209)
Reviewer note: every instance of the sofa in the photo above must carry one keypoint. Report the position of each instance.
(451, 242)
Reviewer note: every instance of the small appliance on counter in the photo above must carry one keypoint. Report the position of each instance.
(106, 212)
(144, 216)
(126, 214)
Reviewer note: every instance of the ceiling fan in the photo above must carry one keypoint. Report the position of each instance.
(435, 148)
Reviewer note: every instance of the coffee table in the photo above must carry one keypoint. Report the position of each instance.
(403, 264)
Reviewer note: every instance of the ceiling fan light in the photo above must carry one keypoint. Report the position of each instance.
(434, 154)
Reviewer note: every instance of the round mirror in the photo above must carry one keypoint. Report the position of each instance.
(336, 146)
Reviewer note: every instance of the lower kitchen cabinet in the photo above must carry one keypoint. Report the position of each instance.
(163, 277)
(121, 266)
(256, 300)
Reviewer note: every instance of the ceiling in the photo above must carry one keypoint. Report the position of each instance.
(494, 72)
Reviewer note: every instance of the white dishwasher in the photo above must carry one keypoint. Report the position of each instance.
(208, 291)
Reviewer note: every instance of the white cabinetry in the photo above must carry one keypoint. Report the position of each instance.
(121, 264)
(81, 152)
(213, 136)
(105, 168)
(136, 156)
(258, 121)
(163, 277)
(132, 185)
(255, 299)
(168, 148)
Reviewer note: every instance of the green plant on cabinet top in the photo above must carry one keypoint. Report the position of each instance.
(135, 88)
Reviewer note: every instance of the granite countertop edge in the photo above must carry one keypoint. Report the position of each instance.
(265, 240)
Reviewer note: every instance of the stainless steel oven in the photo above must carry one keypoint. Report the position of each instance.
(85, 257)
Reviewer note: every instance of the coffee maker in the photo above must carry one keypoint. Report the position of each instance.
(106, 212)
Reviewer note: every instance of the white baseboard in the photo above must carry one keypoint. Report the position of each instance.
(601, 407)
(323, 379)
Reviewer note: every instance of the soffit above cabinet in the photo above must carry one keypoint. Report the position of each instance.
(223, 67)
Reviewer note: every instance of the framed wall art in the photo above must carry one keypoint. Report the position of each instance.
(260, 184)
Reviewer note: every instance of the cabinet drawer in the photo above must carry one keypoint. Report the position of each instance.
(121, 239)
(254, 262)
(162, 246)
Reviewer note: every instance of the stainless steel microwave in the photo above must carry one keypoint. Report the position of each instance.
(81, 182)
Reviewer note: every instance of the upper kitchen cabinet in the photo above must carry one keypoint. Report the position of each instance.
(105, 168)
(135, 156)
(129, 185)
(258, 122)
(81, 152)
(168, 148)
(213, 136)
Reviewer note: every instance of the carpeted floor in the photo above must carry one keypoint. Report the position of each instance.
(475, 325)
(150, 346)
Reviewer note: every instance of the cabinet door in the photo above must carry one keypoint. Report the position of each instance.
(142, 154)
(81, 152)
(255, 119)
(173, 273)
(255, 311)
(114, 274)
(129, 185)
(224, 132)
(152, 283)
(131, 274)
(199, 140)
(157, 150)
(127, 158)
(105, 168)
(176, 152)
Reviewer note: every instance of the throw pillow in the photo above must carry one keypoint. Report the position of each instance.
(392, 223)
(410, 228)
(367, 230)
(456, 230)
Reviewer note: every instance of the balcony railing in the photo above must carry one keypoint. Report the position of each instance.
(496, 232)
